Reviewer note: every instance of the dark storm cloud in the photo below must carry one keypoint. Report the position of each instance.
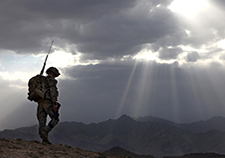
(103, 29)
(98, 29)
(80, 10)
(25, 24)
(169, 53)
(193, 57)
(174, 39)
(123, 34)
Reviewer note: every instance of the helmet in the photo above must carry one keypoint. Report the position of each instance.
(53, 70)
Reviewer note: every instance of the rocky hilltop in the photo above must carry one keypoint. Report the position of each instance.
(19, 148)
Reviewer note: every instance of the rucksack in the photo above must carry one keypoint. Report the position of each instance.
(37, 88)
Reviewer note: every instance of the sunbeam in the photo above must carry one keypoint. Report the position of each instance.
(144, 88)
(123, 100)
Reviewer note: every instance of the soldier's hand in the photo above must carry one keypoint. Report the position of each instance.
(54, 108)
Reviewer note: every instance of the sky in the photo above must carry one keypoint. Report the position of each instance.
(161, 58)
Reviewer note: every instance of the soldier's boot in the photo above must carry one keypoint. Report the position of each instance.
(44, 136)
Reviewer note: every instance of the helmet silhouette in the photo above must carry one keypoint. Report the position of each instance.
(53, 70)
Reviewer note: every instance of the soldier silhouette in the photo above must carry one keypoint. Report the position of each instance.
(48, 105)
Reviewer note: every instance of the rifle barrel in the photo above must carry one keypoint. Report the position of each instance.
(43, 68)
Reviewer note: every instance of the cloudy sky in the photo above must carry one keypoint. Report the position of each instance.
(163, 58)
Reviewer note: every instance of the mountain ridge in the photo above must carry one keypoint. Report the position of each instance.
(216, 122)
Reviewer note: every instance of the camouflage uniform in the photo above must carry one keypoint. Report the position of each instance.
(45, 107)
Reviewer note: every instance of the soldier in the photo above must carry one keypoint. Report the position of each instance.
(48, 106)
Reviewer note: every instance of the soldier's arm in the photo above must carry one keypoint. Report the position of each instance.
(53, 89)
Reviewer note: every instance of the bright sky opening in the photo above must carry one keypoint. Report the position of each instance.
(146, 55)
(188, 8)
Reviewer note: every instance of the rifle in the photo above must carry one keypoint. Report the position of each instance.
(43, 68)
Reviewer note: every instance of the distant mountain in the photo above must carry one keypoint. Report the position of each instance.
(117, 151)
(215, 123)
(157, 138)
(198, 155)
(26, 133)
(153, 119)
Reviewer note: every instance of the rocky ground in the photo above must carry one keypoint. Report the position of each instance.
(18, 148)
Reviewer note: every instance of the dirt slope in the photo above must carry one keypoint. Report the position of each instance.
(18, 148)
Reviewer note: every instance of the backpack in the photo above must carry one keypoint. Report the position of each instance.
(37, 88)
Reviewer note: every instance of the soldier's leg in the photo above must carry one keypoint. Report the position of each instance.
(41, 116)
(54, 119)
(42, 131)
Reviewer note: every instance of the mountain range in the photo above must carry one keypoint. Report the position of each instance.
(144, 135)
(217, 123)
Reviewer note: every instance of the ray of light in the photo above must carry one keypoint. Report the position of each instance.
(123, 100)
(144, 88)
